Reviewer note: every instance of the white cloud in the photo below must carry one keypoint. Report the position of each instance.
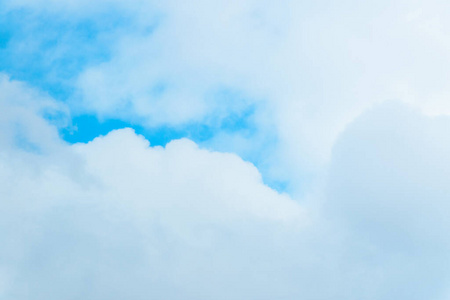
(125, 220)
(217, 186)
(117, 218)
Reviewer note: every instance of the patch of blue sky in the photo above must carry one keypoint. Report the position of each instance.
(262, 157)
(234, 115)
(86, 127)
(241, 121)
(5, 36)
(48, 51)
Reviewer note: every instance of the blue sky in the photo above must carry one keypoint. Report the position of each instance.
(224, 149)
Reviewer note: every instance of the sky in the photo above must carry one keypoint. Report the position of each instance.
(229, 150)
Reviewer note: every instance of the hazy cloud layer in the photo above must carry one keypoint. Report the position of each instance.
(308, 88)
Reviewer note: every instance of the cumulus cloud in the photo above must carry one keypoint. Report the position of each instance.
(132, 221)
(117, 218)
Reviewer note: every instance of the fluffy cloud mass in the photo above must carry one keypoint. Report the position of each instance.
(239, 150)
(77, 211)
